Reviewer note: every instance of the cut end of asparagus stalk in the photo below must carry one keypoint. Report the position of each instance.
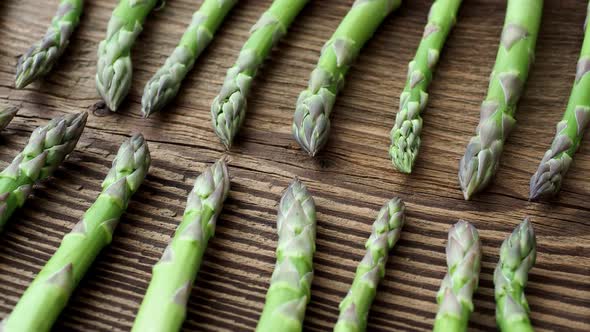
(6, 115)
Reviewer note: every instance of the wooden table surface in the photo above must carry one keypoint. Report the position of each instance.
(350, 179)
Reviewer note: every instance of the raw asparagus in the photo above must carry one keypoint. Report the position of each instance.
(49, 293)
(405, 135)
(515, 56)
(455, 297)
(311, 121)
(41, 57)
(163, 87)
(354, 309)
(47, 148)
(114, 70)
(517, 257)
(557, 160)
(6, 115)
(228, 109)
(164, 305)
(290, 285)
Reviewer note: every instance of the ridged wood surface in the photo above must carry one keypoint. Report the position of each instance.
(349, 180)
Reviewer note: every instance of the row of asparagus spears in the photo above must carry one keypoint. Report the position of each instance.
(311, 120)
(164, 305)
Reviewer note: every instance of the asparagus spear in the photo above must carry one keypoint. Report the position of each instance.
(114, 70)
(311, 121)
(405, 134)
(515, 56)
(557, 160)
(164, 305)
(163, 87)
(49, 293)
(517, 257)
(47, 149)
(354, 309)
(290, 285)
(41, 57)
(455, 297)
(228, 109)
(7, 113)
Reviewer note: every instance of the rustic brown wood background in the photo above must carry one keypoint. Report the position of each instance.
(349, 180)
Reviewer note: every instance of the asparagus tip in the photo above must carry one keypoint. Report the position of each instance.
(402, 164)
(542, 186)
(145, 113)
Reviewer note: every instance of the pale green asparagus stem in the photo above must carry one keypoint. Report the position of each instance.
(517, 257)
(48, 147)
(455, 297)
(290, 285)
(311, 121)
(114, 69)
(405, 135)
(163, 87)
(164, 305)
(49, 293)
(514, 59)
(355, 307)
(228, 109)
(41, 57)
(570, 130)
(7, 113)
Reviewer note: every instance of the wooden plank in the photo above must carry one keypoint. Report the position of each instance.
(350, 179)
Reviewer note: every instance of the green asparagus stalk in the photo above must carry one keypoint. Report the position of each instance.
(7, 113)
(48, 147)
(114, 69)
(513, 61)
(355, 307)
(164, 305)
(455, 297)
(311, 121)
(163, 87)
(517, 257)
(570, 130)
(290, 285)
(49, 293)
(405, 135)
(41, 57)
(228, 109)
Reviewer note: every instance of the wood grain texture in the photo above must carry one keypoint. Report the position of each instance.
(350, 179)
